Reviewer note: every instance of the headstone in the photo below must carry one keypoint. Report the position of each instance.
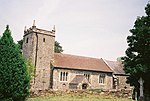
(141, 81)
(136, 96)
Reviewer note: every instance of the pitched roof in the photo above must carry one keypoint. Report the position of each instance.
(116, 66)
(79, 62)
(78, 79)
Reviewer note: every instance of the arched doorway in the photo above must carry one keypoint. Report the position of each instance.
(84, 86)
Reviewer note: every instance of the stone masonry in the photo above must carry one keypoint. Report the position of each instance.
(94, 79)
(38, 45)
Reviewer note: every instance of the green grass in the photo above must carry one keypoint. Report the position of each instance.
(83, 97)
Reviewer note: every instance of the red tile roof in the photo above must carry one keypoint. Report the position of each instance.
(78, 79)
(79, 62)
(116, 66)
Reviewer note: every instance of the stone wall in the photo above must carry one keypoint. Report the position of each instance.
(122, 82)
(86, 93)
(44, 57)
(94, 79)
(29, 47)
(40, 49)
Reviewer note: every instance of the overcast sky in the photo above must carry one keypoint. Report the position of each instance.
(93, 28)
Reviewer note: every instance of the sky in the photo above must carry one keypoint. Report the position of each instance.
(92, 28)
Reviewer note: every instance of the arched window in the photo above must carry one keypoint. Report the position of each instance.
(66, 75)
(102, 78)
(87, 76)
(63, 76)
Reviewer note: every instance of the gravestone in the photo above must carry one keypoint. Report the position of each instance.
(141, 81)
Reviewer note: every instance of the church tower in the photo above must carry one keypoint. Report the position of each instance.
(38, 46)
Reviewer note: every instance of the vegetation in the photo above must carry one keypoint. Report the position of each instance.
(14, 78)
(20, 43)
(58, 47)
(137, 57)
(30, 68)
(78, 98)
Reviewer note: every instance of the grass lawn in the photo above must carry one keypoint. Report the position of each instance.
(78, 98)
(61, 98)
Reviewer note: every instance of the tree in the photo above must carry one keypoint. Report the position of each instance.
(58, 47)
(14, 78)
(31, 71)
(137, 59)
(30, 68)
(20, 43)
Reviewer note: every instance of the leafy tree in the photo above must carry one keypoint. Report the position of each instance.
(31, 71)
(137, 59)
(20, 43)
(58, 47)
(14, 78)
(30, 68)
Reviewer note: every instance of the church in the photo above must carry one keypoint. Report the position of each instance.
(59, 71)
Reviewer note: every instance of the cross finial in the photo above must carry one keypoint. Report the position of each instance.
(33, 22)
(25, 28)
(54, 29)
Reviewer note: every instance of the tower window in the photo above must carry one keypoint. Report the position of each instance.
(43, 39)
(27, 40)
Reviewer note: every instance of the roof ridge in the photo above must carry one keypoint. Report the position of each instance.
(78, 56)
(80, 62)
(105, 61)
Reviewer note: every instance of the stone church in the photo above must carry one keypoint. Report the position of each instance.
(60, 71)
